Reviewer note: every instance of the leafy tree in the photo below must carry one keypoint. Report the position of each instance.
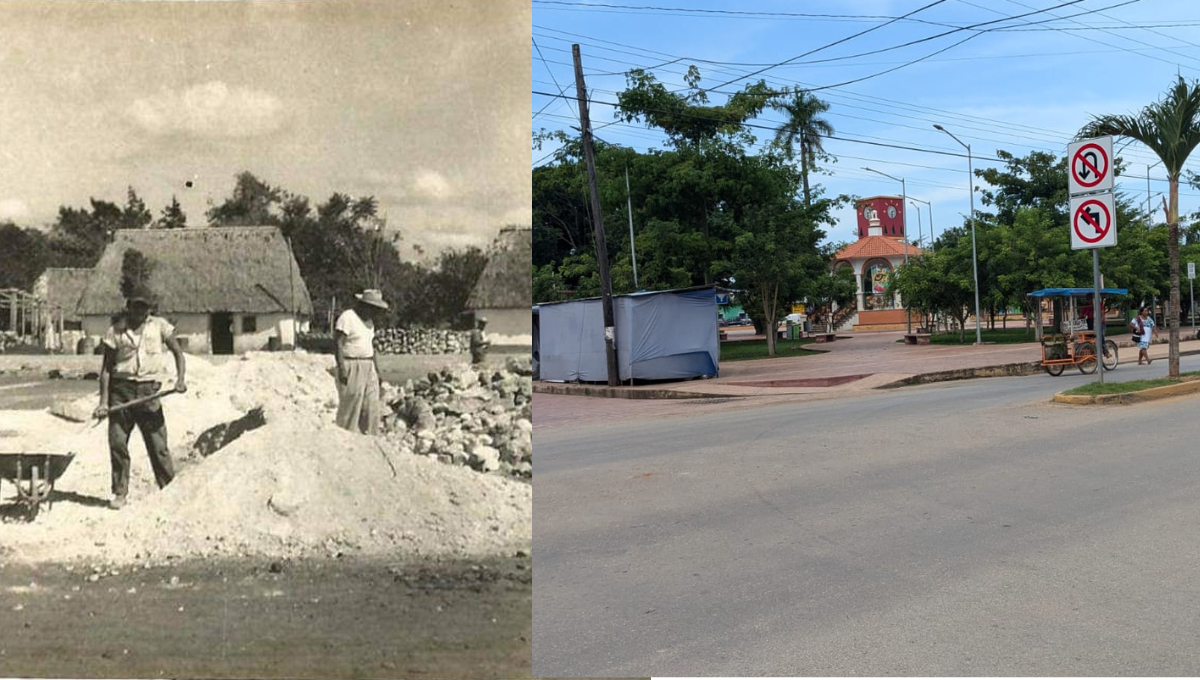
(24, 254)
(135, 215)
(136, 271)
(687, 119)
(1170, 128)
(172, 217)
(78, 235)
(804, 127)
(253, 203)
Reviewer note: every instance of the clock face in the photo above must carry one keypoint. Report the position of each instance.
(891, 211)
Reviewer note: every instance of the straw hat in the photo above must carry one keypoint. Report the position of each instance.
(372, 297)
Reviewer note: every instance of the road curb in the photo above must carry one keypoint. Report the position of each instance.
(1191, 386)
(997, 371)
(576, 390)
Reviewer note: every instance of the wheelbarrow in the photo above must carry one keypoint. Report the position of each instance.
(34, 475)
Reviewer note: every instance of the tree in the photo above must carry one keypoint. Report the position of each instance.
(687, 119)
(804, 127)
(172, 217)
(136, 270)
(457, 273)
(1170, 128)
(253, 203)
(941, 280)
(24, 254)
(135, 215)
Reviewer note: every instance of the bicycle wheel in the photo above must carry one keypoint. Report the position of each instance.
(1054, 369)
(1085, 355)
(1110, 355)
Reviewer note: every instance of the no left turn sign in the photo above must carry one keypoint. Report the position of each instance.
(1090, 165)
(1093, 222)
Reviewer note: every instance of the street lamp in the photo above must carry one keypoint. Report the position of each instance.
(920, 236)
(904, 218)
(930, 206)
(1149, 209)
(974, 257)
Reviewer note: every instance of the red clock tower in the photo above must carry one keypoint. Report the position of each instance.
(888, 209)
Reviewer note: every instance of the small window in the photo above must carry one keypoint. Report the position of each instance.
(249, 324)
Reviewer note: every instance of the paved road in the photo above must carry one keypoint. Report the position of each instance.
(965, 528)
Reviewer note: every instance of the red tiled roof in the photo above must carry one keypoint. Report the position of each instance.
(876, 246)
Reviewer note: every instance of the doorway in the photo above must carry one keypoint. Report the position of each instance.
(221, 330)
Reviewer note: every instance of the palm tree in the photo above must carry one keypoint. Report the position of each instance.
(1170, 128)
(804, 128)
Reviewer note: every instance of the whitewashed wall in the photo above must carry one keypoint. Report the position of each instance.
(193, 329)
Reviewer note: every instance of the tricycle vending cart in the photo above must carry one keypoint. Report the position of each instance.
(1074, 345)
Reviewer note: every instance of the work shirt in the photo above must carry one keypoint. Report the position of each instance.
(360, 335)
(141, 353)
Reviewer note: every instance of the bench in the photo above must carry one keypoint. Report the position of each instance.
(916, 338)
(824, 337)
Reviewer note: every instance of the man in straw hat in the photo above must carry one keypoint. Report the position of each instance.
(358, 378)
(135, 366)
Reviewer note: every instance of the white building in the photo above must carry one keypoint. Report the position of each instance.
(227, 290)
(504, 292)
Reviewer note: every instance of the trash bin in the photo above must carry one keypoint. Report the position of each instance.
(273, 343)
(807, 326)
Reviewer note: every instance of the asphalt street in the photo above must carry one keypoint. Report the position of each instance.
(967, 528)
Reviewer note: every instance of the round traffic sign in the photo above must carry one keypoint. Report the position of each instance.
(1091, 221)
(1089, 165)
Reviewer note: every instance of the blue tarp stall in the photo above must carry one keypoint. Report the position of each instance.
(664, 335)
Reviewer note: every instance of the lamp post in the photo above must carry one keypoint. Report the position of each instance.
(904, 221)
(1149, 209)
(930, 206)
(974, 256)
(920, 235)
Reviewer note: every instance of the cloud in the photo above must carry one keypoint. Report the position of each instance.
(13, 209)
(211, 110)
(432, 185)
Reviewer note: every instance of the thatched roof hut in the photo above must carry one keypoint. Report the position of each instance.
(59, 288)
(507, 281)
(202, 270)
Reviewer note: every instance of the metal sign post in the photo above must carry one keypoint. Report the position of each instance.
(1192, 293)
(1093, 216)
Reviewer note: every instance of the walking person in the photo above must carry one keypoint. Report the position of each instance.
(479, 342)
(1143, 326)
(358, 381)
(135, 366)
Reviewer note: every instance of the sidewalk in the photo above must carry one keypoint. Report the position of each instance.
(854, 363)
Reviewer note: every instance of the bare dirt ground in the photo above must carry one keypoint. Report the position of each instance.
(339, 618)
(383, 614)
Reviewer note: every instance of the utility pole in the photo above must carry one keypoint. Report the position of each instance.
(585, 126)
(632, 248)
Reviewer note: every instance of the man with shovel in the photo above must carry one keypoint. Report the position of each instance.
(134, 368)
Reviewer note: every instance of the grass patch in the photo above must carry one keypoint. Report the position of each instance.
(1128, 386)
(1008, 336)
(744, 350)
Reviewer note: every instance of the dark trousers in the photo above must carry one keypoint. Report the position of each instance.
(149, 419)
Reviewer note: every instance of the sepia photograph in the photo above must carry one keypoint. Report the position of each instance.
(288, 243)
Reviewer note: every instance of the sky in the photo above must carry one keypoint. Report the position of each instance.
(1018, 84)
(418, 103)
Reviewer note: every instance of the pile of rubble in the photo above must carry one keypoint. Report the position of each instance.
(482, 419)
(421, 341)
(263, 470)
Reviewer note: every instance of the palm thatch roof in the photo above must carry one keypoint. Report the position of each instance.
(61, 287)
(202, 270)
(507, 280)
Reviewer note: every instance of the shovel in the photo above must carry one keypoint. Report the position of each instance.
(118, 407)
